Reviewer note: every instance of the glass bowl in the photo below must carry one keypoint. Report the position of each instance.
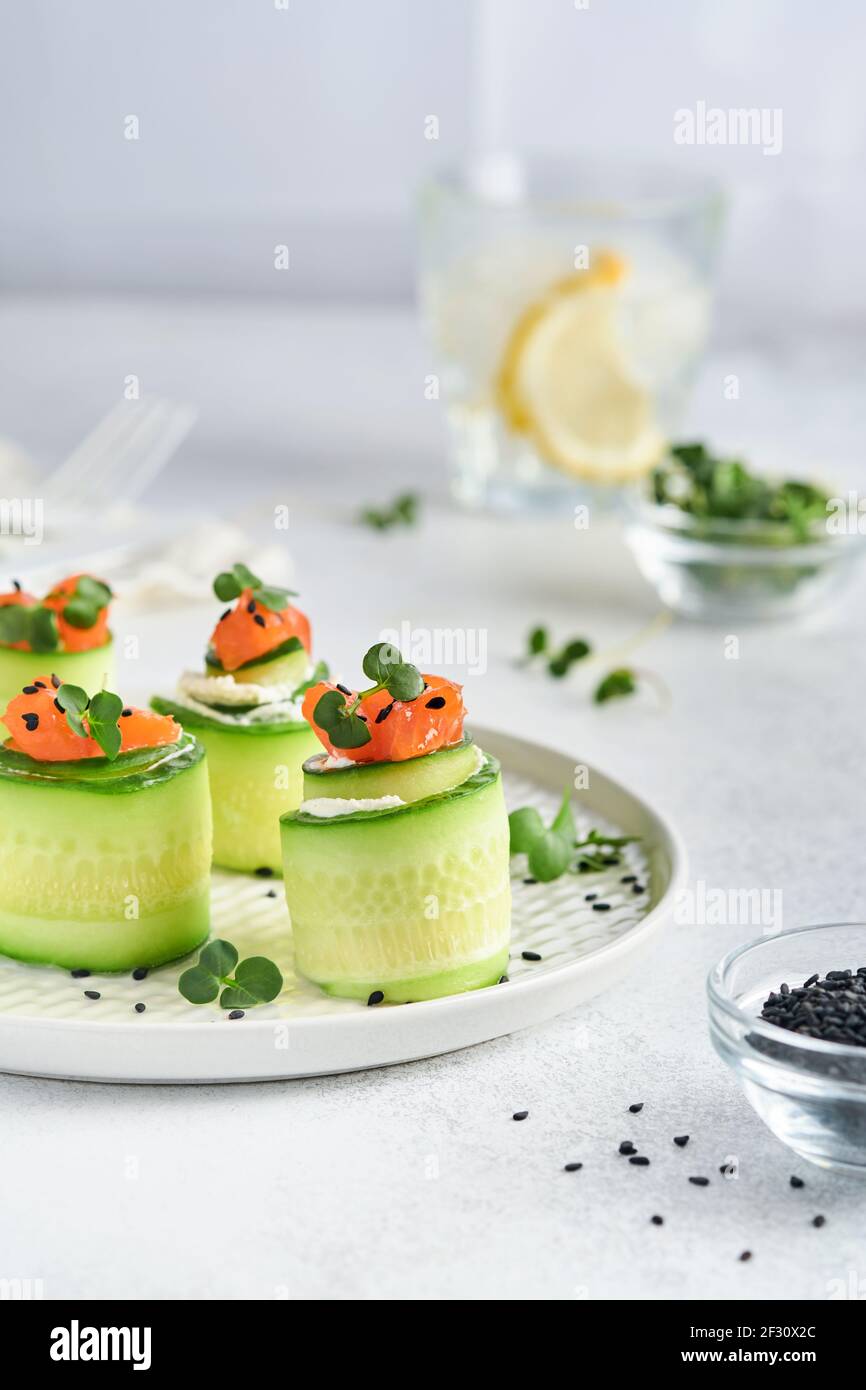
(810, 1093)
(715, 569)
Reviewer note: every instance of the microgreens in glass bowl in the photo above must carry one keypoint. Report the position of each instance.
(718, 540)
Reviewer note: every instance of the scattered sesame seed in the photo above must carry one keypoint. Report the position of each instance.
(271, 893)
(40, 685)
(520, 1115)
(657, 1220)
(236, 1013)
(530, 955)
(79, 974)
(376, 997)
(92, 994)
(264, 872)
(819, 1221)
(384, 712)
(438, 702)
(636, 1108)
(251, 606)
(140, 1008)
(746, 1255)
(797, 1182)
(56, 681)
(627, 1147)
(638, 888)
(31, 722)
(590, 897)
(57, 705)
(639, 1161)
(681, 1140)
(601, 907)
(140, 972)
(629, 878)
(812, 980)
(125, 713)
(700, 1182)
(30, 689)
(225, 615)
(16, 584)
(530, 880)
(343, 688)
(573, 1167)
(503, 979)
(261, 622)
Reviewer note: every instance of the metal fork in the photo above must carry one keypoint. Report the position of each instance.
(120, 458)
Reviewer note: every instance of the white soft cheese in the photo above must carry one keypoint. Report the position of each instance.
(329, 806)
(272, 703)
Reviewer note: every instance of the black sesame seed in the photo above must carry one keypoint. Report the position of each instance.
(226, 614)
(503, 979)
(627, 1147)
(636, 1108)
(700, 1182)
(573, 1167)
(140, 1008)
(30, 689)
(530, 880)
(384, 712)
(57, 704)
(797, 1182)
(56, 681)
(520, 1115)
(16, 585)
(638, 888)
(438, 702)
(629, 878)
(530, 955)
(812, 980)
(236, 1013)
(590, 897)
(363, 717)
(31, 722)
(40, 685)
(832, 1009)
(819, 1221)
(271, 893)
(140, 972)
(264, 872)
(639, 1161)
(657, 1220)
(261, 622)
(601, 907)
(92, 994)
(746, 1255)
(251, 606)
(344, 688)
(125, 713)
(376, 997)
(681, 1140)
(79, 974)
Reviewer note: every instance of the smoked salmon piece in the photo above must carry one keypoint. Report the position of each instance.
(399, 729)
(39, 727)
(250, 630)
(76, 639)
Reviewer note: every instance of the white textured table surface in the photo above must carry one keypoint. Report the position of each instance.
(415, 1182)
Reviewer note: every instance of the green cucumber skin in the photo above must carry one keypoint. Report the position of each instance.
(87, 882)
(411, 780)
(91, 670)
(253, 781)
(289, 667)
(130, 772)
(201, 723)
(413, 901)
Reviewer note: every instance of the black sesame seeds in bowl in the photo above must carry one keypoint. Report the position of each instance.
(788, 1015)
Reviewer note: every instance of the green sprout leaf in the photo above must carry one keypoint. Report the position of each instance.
(14, 623)
(44, 635)
(257, 981)
(231, 584)
(94, 591)
(549, 856)
(525, 826)
(616, 685)
(405, 682)
(102, 716)
(344, 730)
(80, 612)
(274, 599)
(538, 641)
(380, 660)
(563, 823)
(403, 511)
(73, 701)
(226, 587)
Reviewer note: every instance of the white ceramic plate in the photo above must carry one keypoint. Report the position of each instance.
(49, 1028)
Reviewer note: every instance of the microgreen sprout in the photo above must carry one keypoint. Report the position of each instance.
(559, 661)
(95, 717)
(710, 486)
(230, 584)
(615, 685)
(382, 664)
(555, 849)
(403, 511)
(255, 980)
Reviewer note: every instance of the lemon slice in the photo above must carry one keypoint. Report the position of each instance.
(564, 381)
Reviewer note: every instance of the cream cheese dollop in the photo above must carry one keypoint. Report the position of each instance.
(328, 807)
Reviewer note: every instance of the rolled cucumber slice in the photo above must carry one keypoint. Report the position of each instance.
(414, 901)
(91, 670)
(105, 866)
(285, 665)
(411, 780)
(256, 773)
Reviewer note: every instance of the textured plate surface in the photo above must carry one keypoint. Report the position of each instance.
(49, 1028)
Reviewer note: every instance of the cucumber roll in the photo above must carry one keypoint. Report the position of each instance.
(104, 832)
(396, 863)
(67, 629)
(245, 709)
